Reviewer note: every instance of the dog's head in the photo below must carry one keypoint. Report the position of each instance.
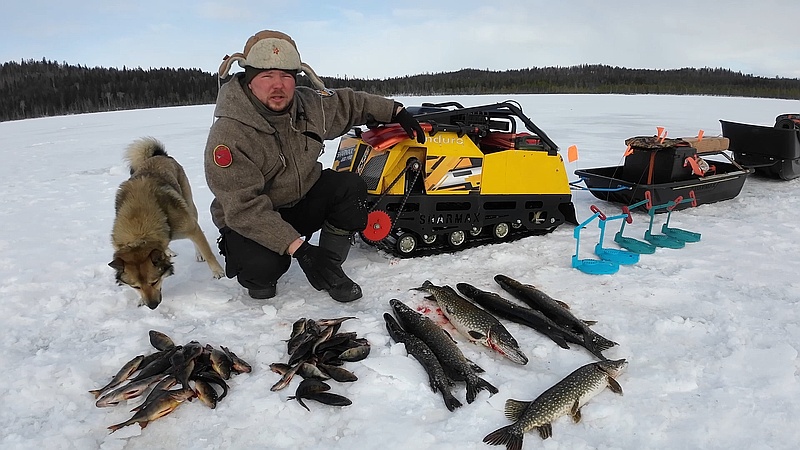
(144, 270)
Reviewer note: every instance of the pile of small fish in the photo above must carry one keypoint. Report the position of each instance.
(544, 314)
(565, 397)
(204, 366)
(437, 352)
(317, 352)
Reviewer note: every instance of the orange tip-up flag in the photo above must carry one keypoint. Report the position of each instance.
(660, 131)
(700, 135)
(628, 151)
(572, 153)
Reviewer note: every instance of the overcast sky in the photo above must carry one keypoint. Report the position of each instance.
(375, 39)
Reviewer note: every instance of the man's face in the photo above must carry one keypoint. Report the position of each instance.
(275, 89)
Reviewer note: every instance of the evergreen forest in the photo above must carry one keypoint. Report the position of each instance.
(31, 88)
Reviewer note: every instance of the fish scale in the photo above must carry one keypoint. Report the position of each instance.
(475, 323)
(565, 397)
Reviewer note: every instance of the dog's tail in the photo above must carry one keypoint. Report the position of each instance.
(141, 149)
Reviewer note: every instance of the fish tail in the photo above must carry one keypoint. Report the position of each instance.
(507, 436)
(96, 392)
(590, 344)
(116, 427)
(449, 400)
(558, 339)
(601, 342)
(476, 384)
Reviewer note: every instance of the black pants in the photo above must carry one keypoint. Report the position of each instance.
(337, 197)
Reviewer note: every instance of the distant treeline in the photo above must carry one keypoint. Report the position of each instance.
(45, 88)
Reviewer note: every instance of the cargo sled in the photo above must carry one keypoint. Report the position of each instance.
(668, 169)
(477, 179)
(772, 151)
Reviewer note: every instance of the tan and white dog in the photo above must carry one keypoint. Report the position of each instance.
(153, 207)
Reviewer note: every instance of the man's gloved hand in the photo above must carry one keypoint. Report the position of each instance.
(319, 266)
(409, 123)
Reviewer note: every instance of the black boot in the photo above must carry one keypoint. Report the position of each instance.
(264, 293)
(344, 290)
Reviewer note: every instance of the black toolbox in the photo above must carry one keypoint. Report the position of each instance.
(651, 161)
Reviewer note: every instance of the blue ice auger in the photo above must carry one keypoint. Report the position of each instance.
(591, 266)
(616, 255)
(629, 243)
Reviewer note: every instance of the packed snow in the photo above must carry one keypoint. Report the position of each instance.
(710, 331)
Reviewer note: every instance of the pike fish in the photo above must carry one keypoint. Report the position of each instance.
(476, 324)
(565, 397)
(422, 353)
(520, 314)
(455, 364)
(557, 312)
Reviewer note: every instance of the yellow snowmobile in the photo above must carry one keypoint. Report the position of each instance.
(476, 180)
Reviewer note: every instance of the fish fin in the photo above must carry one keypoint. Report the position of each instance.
(505, 436)
(143, 424)
(449, 335)
(116, 427)
(515, 408)
(602, 342)
(590, 344)
(558, 339)
(575, 411)
(449, 400)
(476, 336)
(614, 386)
(589, 322)
(545, 431)
(476, 385)
(474, 366)
(562, 304)
(300, 400)
(96, 392)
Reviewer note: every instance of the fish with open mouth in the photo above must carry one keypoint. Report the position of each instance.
(477, 324)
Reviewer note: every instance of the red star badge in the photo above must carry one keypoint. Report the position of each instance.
(276, 50)
(222, 156)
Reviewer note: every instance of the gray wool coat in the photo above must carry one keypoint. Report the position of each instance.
(272, 162)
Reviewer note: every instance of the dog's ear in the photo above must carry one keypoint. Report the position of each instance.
(117, 264)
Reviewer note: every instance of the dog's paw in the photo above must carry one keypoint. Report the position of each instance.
(170, 253)
(218, 274)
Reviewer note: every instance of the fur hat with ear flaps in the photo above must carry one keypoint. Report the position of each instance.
(269, 49)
